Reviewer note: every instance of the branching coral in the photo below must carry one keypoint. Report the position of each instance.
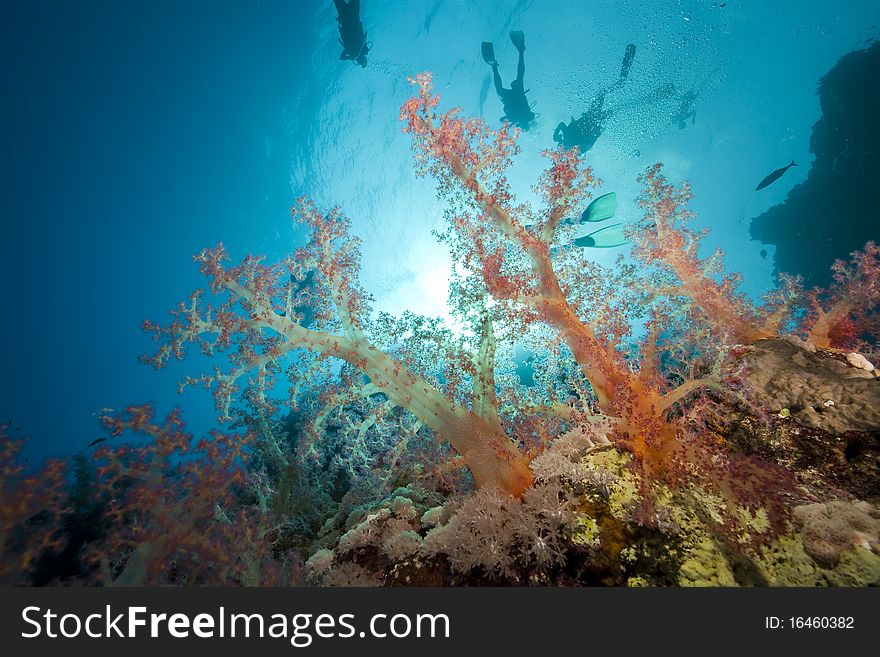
(848, 313)
(665, 240)
(256, 326)
(30, 504)
(175, 501)
(515, 279)
(170, 510)
(510, 246)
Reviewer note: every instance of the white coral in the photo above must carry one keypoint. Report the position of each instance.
(564, 457)
(402, 545)
(365, 533)
(495, 532)
(349, 575)
(318, 565)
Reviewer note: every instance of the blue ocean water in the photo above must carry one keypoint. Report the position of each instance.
(135, 134)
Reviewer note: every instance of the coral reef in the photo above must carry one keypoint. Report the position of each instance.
(667, 435)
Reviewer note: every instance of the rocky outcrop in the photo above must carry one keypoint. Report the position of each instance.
(818, 389)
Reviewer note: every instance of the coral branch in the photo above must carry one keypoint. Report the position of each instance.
(488, 216)
(849, 312)
(663, 239)
(485, 400)
(255, 326)
(490, 236)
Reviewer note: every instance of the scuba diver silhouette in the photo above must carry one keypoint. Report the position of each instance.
(585, 130)
(351, 31)
(516, 106)
(686, 110)
(688, 100)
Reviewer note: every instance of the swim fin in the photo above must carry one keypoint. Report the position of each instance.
(518, 39)
(604, 238)
(488, 52)
(601, 209)
(628, 58)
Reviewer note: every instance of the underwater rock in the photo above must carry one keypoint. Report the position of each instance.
(578, 533)
(857, 360)
(784, 375)
(835, 211)
(830, 529)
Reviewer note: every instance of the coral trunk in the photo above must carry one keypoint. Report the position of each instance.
(491, 456)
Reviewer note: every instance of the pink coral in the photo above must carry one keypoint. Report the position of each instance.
(848, 312)
(665, 239)
(25, 538)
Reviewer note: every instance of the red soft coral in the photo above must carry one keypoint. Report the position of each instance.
(847, 315)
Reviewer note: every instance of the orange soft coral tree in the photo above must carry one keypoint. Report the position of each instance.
(515, 248)
(844, 316)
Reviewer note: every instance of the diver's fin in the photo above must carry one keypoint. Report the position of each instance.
(604, 238)
(601, 209)
(518, 39)
(488, 52)
(628, 58)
